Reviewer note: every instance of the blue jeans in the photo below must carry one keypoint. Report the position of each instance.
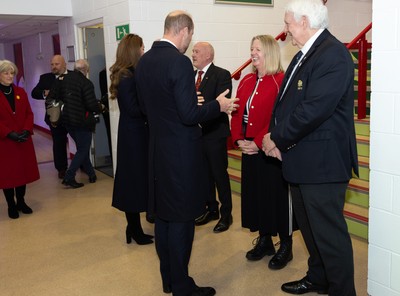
(83, 139)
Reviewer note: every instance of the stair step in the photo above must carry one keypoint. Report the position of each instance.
(362, 126)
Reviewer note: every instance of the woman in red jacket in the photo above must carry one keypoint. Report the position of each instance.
(265, 199)
(17, 154)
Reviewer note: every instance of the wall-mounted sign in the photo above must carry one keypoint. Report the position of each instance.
(121, 31)
(248, 2)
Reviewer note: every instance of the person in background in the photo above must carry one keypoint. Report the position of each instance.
(58, 133)
(178, 182)
(265, 198)
(80, 105)
(17, 153)
(104, 101)
(211, 81)
(312, 131)
(130, 193)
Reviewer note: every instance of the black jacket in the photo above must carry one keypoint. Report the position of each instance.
(77, 94)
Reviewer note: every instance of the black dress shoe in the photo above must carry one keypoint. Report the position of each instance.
(150, 218)
(203, 291)
(282, 257)
(61, 174)
(303, 286)
(167, 288)
(223, 224)
(207, 217)
(93, 179)
(263, 246)
(72, 183)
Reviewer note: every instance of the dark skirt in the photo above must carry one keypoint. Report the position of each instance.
(266, 205)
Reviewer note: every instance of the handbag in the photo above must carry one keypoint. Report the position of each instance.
(54, 110)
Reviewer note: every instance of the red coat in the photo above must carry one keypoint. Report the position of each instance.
(18, 165)
(260, 109)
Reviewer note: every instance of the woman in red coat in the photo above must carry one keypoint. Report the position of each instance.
(265, 200)
(17, 154)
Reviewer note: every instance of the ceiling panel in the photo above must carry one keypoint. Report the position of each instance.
(14, 27)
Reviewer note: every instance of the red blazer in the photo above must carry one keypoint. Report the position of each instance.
(260, 109)
(18, 160)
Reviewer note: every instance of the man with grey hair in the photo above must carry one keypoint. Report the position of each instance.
(312, 132)
(177, 181)
(82, 66)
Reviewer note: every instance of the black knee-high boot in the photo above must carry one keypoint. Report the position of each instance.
(12, 207)
(21, 205)
(284, 254)
(134, 230)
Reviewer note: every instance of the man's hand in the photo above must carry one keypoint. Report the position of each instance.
(276, 153)
(267, 144)
(200, 99)
(46, 93)
(227, 105)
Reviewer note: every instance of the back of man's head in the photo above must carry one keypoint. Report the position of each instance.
(82, 66)
(176, 21)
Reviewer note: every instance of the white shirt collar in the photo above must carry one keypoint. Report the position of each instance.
(310, 42)
(169, 41)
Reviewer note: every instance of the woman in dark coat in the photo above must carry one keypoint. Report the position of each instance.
(131, 178)
(17, 154)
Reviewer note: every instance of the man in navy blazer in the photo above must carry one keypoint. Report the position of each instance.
(178, 182)
(312, 132)
(215, 133)
(58, 133)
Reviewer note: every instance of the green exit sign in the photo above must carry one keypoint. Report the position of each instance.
(121, 31)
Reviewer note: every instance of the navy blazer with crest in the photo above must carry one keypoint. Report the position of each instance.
(313, 122)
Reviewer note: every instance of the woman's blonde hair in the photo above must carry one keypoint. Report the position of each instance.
(271, 52)
(6, 65)
(127, 56)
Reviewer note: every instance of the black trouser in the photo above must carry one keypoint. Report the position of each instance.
(217, 159)
(319, 213)
(60, 140)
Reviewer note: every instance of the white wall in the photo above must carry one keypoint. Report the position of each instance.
(384, 214)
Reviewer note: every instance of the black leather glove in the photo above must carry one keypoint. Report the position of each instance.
(14, 136)
(23, 136)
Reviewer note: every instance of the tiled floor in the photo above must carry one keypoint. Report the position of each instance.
(74, 244)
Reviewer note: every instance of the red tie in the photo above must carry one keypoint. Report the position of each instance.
(198, 81)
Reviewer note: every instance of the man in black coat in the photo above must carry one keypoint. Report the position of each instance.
(80, 104)
(58, 133)
(312, 132)
(178, 178)
(211, 81)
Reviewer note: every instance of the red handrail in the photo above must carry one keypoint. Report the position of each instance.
(360, 42)
(236, 75)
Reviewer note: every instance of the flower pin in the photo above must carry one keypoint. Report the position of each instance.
(17, 97)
